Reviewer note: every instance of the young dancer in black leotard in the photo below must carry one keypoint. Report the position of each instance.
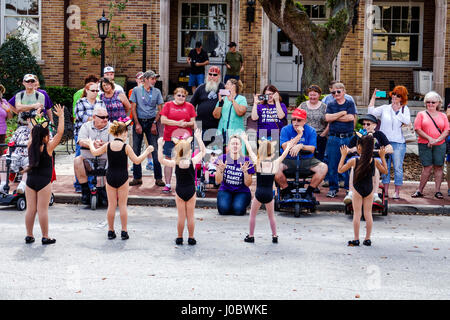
(38, 187)
(363, 183)
(266, 168)
(117, 173)
(184, 165)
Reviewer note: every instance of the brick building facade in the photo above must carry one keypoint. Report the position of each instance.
(62, 65)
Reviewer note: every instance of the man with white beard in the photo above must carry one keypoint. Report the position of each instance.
(204, 100)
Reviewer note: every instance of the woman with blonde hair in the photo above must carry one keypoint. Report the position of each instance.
(184, 165)
(117, 173)
(266, 167)
(432, 128)
(178, 118)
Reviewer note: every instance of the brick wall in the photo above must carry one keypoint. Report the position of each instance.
(137, 13)
(447, 50)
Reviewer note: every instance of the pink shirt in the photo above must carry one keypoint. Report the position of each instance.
(3, 116)
(424, 122)
(185, 112)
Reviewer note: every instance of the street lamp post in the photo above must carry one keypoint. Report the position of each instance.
(103, 29)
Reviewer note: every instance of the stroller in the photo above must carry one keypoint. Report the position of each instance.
(96, 167)
(205, 174)
(15, 198)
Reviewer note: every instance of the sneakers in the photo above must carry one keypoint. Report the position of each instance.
(192, 241)
(21, 187)
(348, 197)
(149, 165)
(160, 183)
(111, 235)
(331, 194)
(135, 182)
(326, 184)
(179, 241)
(341, 184)
(167, 189)
(124, 235)
(367, 242)
(376, 198)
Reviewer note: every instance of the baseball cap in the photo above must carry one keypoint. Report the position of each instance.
(232, 44)
(150, 74)
(108, 69)
(140, 74)
(214, 69)
(299, 114)
(29, 76)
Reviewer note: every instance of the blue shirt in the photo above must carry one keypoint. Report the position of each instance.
(309, 138)
(146, 101)
(338, 126)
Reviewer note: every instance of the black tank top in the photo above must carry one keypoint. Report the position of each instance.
(117, 172)
(44, 169)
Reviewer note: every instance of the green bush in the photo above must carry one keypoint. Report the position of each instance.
(16, 60)
(61, 95)
(11, 127)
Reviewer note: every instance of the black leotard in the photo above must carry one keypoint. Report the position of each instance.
(365, 185)
(185, 187)
(264, 187)
(117, 172)
(40, 176)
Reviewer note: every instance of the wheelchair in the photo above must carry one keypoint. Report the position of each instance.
(297, 199)
(96, 167)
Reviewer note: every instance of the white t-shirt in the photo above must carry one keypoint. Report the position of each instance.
(391, 121)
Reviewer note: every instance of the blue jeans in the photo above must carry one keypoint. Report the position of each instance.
(233, 203)
(334, 155)
(397, 160)
(146, 125)
(77, 184)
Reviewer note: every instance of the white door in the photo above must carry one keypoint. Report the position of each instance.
(286, 62)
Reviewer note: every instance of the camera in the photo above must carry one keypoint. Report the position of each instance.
(263, 97)
(27, 114)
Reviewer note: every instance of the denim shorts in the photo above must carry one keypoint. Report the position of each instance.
(167, 149)
(196, 79)
(432, 156)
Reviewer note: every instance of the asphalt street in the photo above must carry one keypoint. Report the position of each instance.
(408, 259)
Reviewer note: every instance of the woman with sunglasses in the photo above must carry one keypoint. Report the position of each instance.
(116, 101)
(178, 118)
(316, 110)
(432, 129)
(392, 117)
(270, 112)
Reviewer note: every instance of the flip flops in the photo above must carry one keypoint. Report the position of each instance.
(417, 194)
(439, 195)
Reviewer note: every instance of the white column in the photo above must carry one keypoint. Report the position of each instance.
(164, 8)
(439, 46)
(265, 52)
(235, 22)
(367, 58)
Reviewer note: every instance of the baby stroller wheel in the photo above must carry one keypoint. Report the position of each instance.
(93, 201)
(52, 199)
(21, 204)
(297, 210)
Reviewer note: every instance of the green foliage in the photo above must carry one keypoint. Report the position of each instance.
(299, 6)
(61, 95)
(337, 24)
(16, 60)
(11, 127)
(118, 45)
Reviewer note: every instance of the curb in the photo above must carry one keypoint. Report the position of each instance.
(212, 203)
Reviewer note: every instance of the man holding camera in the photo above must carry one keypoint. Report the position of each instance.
(197, 59)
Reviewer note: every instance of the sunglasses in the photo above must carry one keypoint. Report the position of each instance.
(213, 74)
(30, 81)
(181, 96)
(431, 102)
(397, 95)
(102, 117)
(94, 90)
(367, 123)
(336, 92)
(296, 120)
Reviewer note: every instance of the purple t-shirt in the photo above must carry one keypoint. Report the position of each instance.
(268, 120)
(48, 101)
(233, 177)
(3, 116)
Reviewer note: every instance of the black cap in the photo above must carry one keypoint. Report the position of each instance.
(369, 117)
(198, 44)
(232, 44)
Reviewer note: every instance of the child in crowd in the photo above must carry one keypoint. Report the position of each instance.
(363, 183)
(266, 167)
(38, 187)
(184, 165)
(117, 174)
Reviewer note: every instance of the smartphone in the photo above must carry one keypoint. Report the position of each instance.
(380, 94)
(224, 92)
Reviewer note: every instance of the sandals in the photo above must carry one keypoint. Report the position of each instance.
(353, 243)
(48, 241)
(29, 239)
(439, 195)
(417, 194)
(249, 239)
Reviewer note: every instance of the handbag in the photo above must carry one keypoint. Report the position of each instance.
(408, 133)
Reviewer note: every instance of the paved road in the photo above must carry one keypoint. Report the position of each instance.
(408, 260)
